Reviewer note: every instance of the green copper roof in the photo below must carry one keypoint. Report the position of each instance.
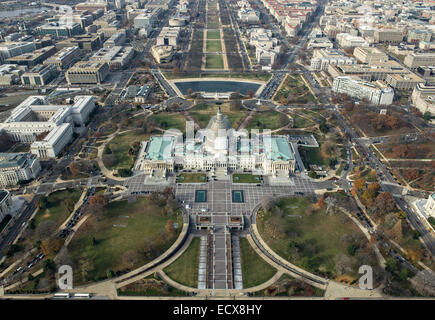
(279, 149)
(159, 148)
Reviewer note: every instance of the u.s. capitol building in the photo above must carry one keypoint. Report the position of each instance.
(218, 149)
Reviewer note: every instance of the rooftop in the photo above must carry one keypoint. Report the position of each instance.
(159, 148)
(277, 148)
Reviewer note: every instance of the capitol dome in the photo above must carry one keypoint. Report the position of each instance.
(218, 122)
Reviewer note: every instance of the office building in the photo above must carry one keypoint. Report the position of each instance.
(17, 167)
(48, 128)
(11, 74)
(40, 75)
(118, 39)
(116, 57)
(415, 60)
(369, 55)
(60, 30)
(423, 98)
(346, 40)
(64, 58)
(87, 72)
(404, 81)
(9, 50)
(34, 58)
(163, 54)
(86, 43)
(324, 57)
(168, 36)
(388, 35)
(359, 89)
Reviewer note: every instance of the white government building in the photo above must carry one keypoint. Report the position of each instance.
(218, 149)
(356, 88)
(48, 128)
(16, 167)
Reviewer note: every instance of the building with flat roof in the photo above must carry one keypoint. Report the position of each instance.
(423, 98)
(375, 71)
(87, 72)
(319, 43)
(31, 59)
(168, 36)
(415, 60)
(12, 49)
(146, 19)
(388, 35)
(248, 15)
(418, 35)
(324, 57)
(369, 55)
(218, 149)
(359, 89)
(163, 54)
(10, 74)
(404, 81)
(116, 57)
(118, 39)
(91, 6)
(64, 58)
(17, 167)
(60, 30)
(48, 128)
(346, 40)
(86, 43)
(158, 4)
(39, 75)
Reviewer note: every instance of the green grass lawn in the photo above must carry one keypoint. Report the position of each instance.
(119, 146)
(295, 90)
(212, 21)
(170, 120)
(191, 178)
(202, 114)
(214, 62)
(301, 122)
(246, 178)
(185, 269)
(265, 120)
(262, 76)
(100, 190)
(138, 227)
(151, 286)
(340, 169)
(55, 210)
(213, 25)
(312, 241)
(287, 286)
(213, 34)
(22, 148)
(213, 46)
(313, 156)
(255, 270)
